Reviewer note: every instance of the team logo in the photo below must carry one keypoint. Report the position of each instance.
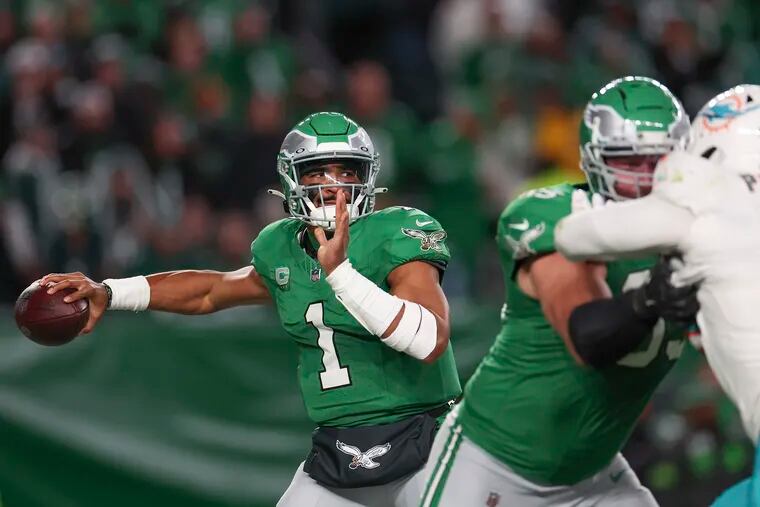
(430, 241)
(542, 193)
(363, 459)
(316, 274)
(721, 114)
(615, 477)
(521, 247)
(282, 277)
(493, 499)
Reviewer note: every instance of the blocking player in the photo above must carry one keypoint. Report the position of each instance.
(543, 418)
(705, 206)
(359, 293)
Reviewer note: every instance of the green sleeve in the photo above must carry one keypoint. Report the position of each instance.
(526, 227)
(267, 243)
(256, 261)
(413, 235)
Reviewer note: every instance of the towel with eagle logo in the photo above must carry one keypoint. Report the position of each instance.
(372, 455)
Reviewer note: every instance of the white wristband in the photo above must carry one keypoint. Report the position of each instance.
(129, 293)
(416, 333)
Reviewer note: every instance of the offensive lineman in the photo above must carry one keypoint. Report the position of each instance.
(367, 313)
(705, 206)
(543, 420)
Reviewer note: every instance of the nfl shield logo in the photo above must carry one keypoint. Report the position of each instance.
(282, 277)
(316, 274)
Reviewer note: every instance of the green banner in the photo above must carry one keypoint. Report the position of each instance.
(164, 410)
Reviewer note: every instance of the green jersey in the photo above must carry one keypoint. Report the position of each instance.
(348, 377)
(529, 403)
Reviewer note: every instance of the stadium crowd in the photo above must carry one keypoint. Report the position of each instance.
(141, 135)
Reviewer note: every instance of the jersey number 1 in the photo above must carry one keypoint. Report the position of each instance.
(333, 375)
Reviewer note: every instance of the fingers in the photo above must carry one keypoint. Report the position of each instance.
(341, 209)
(57, 277)
(319, 233)
(341, 216)
(58, 285)
(82, 292)
(579, 201)
(94, 318)
(597, 201)
(583, 201)
(83, 289)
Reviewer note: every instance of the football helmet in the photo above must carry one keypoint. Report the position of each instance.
(726, 130)
(317, 140)
(628, 117)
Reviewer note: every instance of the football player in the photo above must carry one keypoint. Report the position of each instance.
(358, 290)
(544, 417)
(705, 206)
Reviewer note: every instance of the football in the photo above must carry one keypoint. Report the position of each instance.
(46, 318)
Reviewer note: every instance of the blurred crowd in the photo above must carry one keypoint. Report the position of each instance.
(141, 135)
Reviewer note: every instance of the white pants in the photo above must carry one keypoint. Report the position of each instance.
(306, 492)
(461, 474)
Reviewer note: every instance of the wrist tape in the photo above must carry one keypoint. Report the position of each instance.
(129, 293)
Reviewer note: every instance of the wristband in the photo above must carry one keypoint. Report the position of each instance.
(128, 293)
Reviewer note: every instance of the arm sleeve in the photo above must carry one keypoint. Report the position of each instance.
(628, 229)
(605, 330)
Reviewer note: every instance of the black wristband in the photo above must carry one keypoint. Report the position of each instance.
(109, 293)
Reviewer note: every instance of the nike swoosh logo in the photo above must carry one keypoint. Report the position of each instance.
(521, 226)
(616, 476)
(423, 224)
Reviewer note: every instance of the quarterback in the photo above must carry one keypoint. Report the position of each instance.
(358, 290)
(547, 411)
(706, 207)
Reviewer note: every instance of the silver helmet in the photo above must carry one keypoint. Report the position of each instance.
(319, 139)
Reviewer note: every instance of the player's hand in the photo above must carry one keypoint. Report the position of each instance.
(664, 299)
(332, 252)
(585, 201)
(94, 292)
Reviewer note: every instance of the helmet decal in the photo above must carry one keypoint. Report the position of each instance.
(720, 112)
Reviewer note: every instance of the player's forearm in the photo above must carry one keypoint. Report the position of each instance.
(558, 312)
(186, 291)
(561, 286)
(639, 227)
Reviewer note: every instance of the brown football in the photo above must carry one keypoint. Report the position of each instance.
(46, 318)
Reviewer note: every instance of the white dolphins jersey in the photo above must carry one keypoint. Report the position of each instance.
(711, 215)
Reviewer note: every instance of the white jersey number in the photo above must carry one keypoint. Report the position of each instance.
(334, 375)
(642, 358)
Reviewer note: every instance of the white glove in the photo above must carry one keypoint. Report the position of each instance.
(580, 201)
